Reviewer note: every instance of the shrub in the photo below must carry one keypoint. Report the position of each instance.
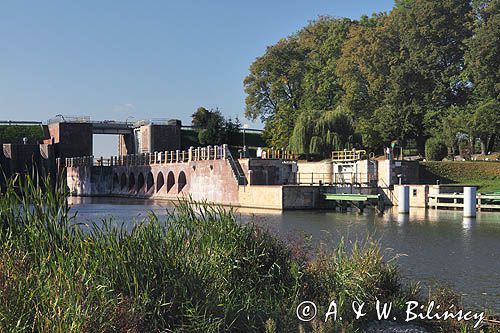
(435, 150)
(198, 271)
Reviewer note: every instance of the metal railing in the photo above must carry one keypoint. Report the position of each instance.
(319, 178)
(236, 168)
(174, 156)
(456, 200)
(271, 153)
(348, 155)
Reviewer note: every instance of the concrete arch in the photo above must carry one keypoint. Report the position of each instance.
(170, 181)
(123, 181)
(149, 181)
(140, 182)
(181, 181)
(131, 181)
(159, 181)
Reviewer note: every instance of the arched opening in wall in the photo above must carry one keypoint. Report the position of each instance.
(116, 181)
(131, 181)
(149, 181)
(182, 181)
(140, 181)
(170, 180)
(123, 181)
(159, 181)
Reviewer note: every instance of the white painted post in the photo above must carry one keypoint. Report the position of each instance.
(469, 202)
(190, 154)
(224, 151)
(404, 199)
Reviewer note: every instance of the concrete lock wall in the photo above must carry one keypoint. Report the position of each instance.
(203, 180)
(323, 170)
(159, 137)
(71, 139)
(210, 180)
(267, 171)
(419, 195)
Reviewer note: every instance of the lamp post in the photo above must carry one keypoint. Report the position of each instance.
(245, 126)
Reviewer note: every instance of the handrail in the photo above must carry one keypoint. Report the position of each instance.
(235, 167)
(347, 155)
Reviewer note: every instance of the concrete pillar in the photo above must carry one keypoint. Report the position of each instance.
(190, 154)
(209, 152)
(404, 199)
(224, 151)
(389, 173)
(469, 201)
(177, 156)
(216, 150)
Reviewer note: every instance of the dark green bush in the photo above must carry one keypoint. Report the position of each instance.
(435, 150)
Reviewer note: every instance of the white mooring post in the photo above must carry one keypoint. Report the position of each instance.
(469, 202)
(404, 199)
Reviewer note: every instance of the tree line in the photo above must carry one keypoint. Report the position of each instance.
(427, 72)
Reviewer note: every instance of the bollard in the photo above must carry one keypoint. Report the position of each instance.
(469, 202)
(404, 199)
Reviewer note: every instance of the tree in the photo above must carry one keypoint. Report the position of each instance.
(399, 66)
(211, 126)
(483, 53)
(486, 124)
(200, 117)
(273, 87)
(322, 41)
(320, 132)
(296, 74)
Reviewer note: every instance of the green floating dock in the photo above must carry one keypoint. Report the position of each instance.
(351, 197)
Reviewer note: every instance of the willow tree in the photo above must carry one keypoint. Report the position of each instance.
(319, 132)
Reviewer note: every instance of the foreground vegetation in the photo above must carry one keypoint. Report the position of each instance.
(198, 271)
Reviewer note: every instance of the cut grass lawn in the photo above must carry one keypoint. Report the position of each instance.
(486, 175)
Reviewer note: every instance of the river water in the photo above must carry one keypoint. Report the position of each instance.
(432, 245)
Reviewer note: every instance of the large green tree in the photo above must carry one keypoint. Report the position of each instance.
(403, 65)
(296, 74)
(274, 90)
(483, 70)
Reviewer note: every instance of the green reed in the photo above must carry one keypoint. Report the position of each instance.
(197, 270)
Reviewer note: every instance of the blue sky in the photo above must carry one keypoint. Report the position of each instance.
(147, 59)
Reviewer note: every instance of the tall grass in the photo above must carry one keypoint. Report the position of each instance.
(197, 271)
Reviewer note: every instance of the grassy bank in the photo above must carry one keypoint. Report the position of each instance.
(484, 174)
(197, 271)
